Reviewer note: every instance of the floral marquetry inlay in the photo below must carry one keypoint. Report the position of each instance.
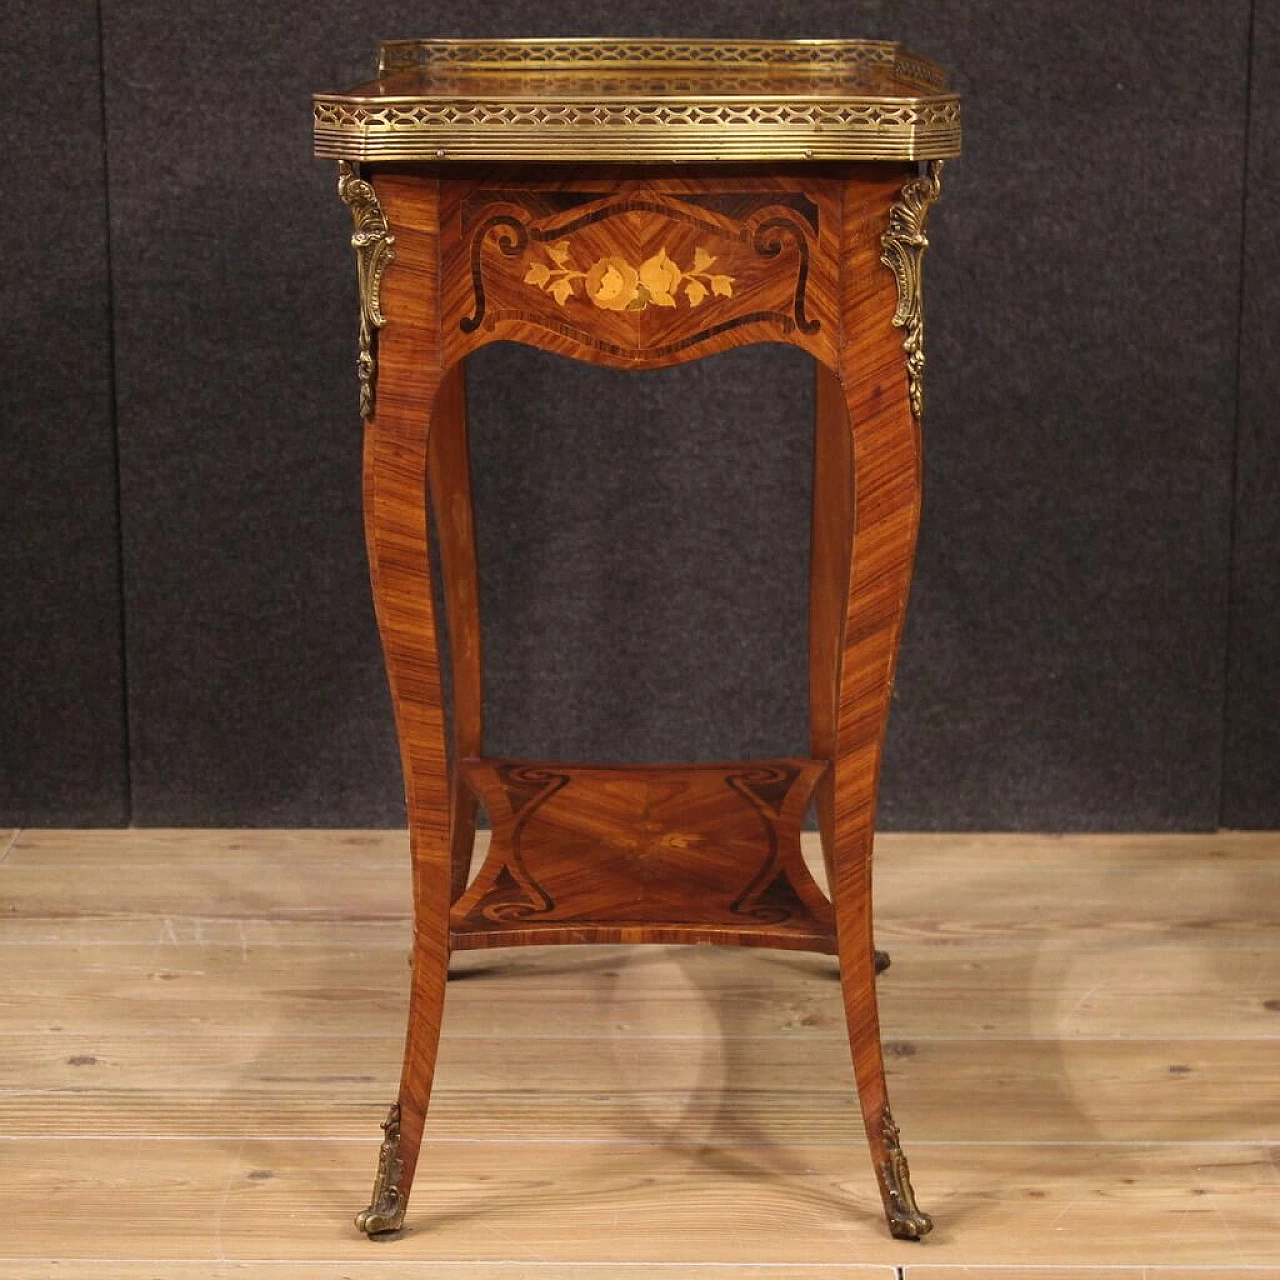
(614, 284)
(643, 274)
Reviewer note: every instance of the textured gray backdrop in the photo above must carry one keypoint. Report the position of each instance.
(188, 637)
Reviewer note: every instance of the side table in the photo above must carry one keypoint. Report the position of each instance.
(638, 203)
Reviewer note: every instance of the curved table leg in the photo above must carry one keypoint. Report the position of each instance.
(884, 464)
(830, 543)
(450, 473)
(408, 380)
(871, 441)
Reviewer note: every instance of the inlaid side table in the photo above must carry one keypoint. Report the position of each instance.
(636, 204)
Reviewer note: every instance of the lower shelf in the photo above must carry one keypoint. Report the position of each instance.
(695, 853)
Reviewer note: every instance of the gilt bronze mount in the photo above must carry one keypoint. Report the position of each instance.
(387, 1205)
(638, 100)
(375, 250)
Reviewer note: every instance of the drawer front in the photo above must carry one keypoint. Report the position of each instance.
(642, 273)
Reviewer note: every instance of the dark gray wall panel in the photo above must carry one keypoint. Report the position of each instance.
(258, 697)
(644, 571)
(1251, 782)
(1064, 657)
(62, 745)
(1063, 664)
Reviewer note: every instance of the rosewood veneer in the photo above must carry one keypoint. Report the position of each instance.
(637, 204)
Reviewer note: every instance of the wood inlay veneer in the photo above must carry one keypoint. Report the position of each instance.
(637, 267)
(584, 258)
(686, 853)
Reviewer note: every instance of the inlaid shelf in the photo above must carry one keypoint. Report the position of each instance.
(637, 204)
(706, 853)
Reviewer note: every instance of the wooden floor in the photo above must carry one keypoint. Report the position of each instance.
(201, 1032)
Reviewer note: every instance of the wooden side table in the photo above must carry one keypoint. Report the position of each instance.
(637, 204)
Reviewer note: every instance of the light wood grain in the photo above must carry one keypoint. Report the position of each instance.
(596, 1088)
(98, 1269)
(1152, 990)
(19, 1269)
(927, 1272)
(591, 1202)
(453, 1269)
(1054, 892)
(58, 876)
(1104, 1098)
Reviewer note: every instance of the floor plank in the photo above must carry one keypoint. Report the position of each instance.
(282, 875)
(18, 1269)
(1148, 990)
(520, 1201)
(1051, 889)
(773, 1090)
(199, 1032)
(927, 1272)
(285, 1269)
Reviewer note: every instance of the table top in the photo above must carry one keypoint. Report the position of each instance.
(643, 101)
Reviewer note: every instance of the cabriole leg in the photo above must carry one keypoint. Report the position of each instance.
(879, 377)
(402, 379)
(450, 471)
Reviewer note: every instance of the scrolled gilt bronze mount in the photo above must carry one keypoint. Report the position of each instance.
(636, 204)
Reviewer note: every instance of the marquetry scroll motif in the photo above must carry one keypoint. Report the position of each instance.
(387, 1208)
(768, 240)
(903, 246)
(640, 275)
(679, 846)
(375, 249)
(516, 893)
(769, 896)
(906, 1221)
